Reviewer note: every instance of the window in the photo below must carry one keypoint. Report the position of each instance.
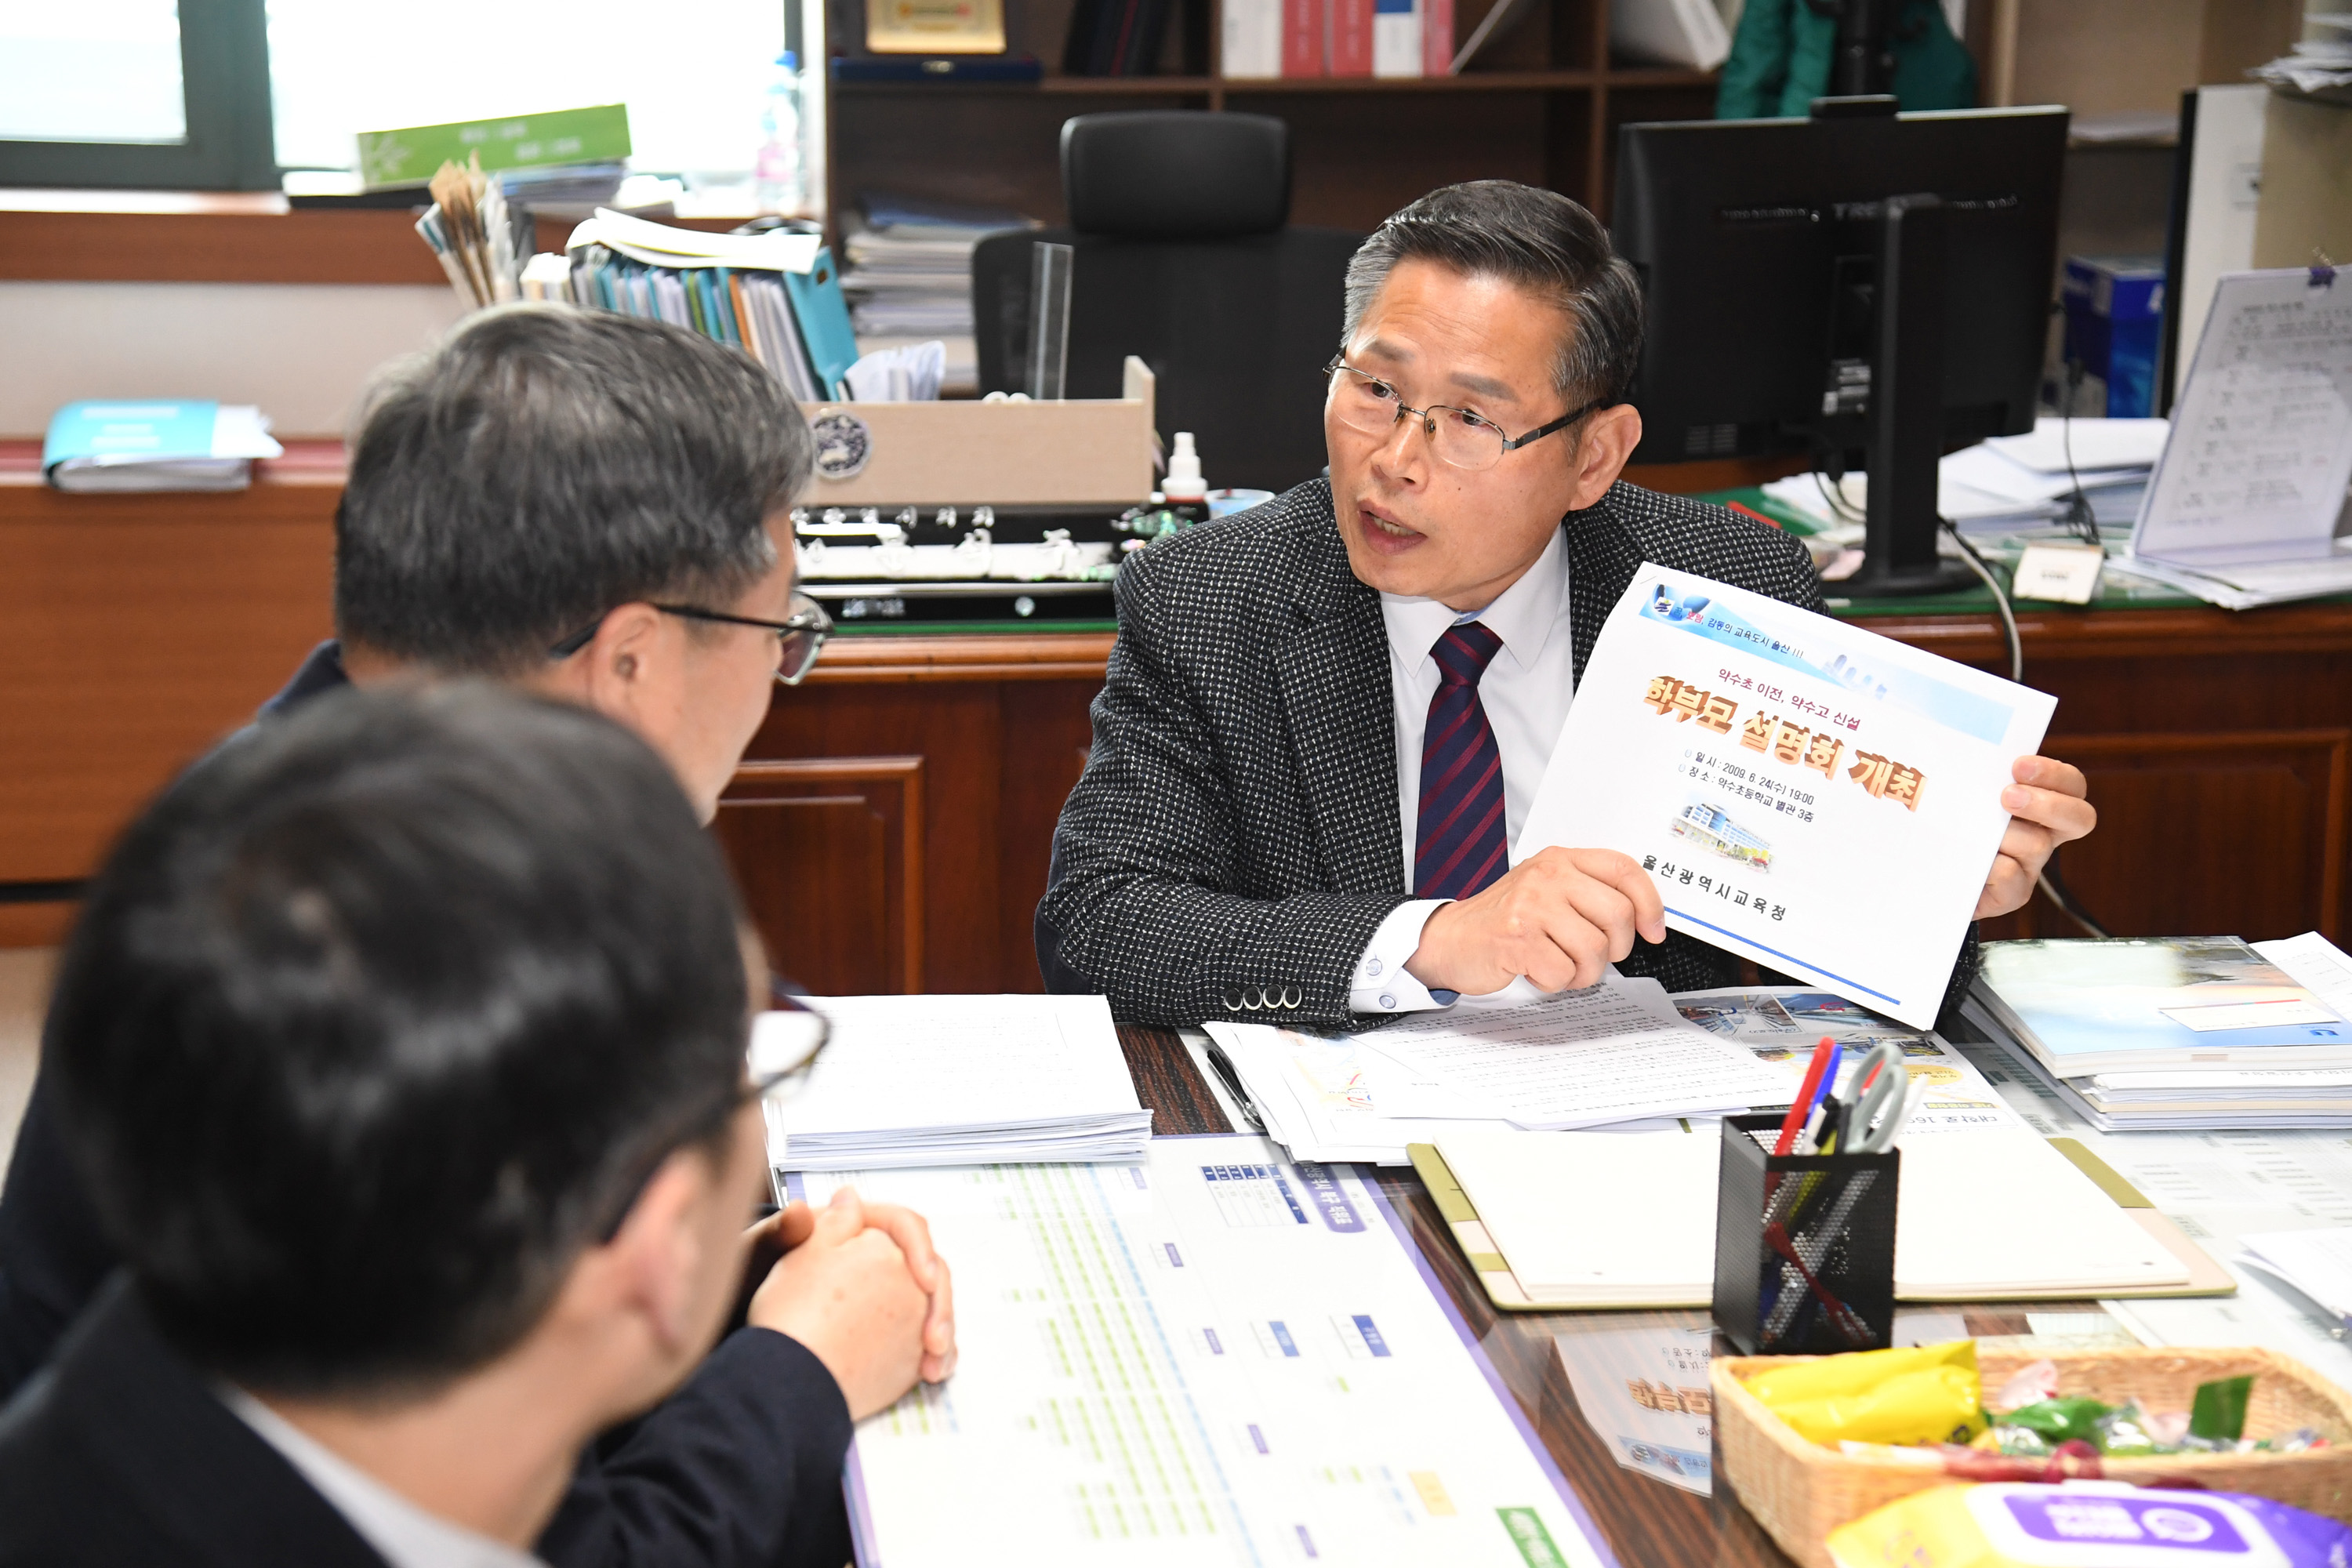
(134, 92)
(221, 93)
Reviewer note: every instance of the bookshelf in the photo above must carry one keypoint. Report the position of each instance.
(1541, 104)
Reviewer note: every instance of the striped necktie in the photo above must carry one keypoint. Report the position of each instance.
(1460, 846)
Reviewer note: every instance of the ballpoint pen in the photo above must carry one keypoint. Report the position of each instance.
(1222, 1066)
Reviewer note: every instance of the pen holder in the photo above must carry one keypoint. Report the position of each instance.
(1804, 1245)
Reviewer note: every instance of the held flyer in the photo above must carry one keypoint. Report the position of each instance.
(1813, 797)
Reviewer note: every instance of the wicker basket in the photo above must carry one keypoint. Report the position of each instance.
(1800, 1490)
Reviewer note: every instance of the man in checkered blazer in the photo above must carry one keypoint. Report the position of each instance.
(1325, 719)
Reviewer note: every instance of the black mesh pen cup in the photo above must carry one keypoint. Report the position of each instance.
(1804, 1245)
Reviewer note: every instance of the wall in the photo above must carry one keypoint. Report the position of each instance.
(300, 350)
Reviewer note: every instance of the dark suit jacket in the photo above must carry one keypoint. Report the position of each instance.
(741, 1465)
(1235, 833)
(124, 1456)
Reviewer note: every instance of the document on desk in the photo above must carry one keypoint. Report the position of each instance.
(1213, 1357)
(1615, 1052)
(1805, 794)
(1780, 1022)
(2222, 1188)
(938, 1080)
(2261, 445)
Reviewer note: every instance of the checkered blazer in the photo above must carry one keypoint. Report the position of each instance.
(1234, 834)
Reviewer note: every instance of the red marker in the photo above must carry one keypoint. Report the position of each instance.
(1794, 1122)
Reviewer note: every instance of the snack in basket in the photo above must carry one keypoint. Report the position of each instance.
(2087, 1524)
(1927, 1393)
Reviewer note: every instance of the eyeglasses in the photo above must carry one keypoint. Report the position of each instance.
(1460, 438)
(777, 1065)
(801, 635)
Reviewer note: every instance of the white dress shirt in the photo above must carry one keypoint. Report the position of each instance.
(1525, 692)
(403, 1534)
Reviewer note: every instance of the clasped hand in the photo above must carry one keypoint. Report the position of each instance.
(1561, 916)
(860, 1285)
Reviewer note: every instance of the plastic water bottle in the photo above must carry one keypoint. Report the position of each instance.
(776, 175)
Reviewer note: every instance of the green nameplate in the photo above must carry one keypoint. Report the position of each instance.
(410, 156)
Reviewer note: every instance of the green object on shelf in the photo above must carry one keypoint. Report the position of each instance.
(2218, 1412)
(1781, 56)
(411, 156)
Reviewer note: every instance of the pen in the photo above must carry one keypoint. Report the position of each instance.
(1808, 1093)
(1224, 1066)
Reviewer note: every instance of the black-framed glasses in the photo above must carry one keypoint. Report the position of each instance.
(1460, 438)
(800, 636)
(778, 1063)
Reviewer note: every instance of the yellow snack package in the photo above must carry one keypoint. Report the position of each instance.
(1924, 1394)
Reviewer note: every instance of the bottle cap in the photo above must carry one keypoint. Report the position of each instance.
(1184, 481)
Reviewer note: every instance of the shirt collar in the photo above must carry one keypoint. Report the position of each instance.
(1524, 615)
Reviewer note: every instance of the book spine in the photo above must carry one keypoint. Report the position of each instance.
(1252, 39)
(1352, 36)
(1437, 37)
(1396, 37)
(1302, 37)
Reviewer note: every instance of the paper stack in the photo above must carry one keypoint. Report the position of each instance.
(2180, 1032)
(1613, 1056)
(961, 1080)
(160, 445)
(2011, 482)
(910, 275)
(2314, 1265)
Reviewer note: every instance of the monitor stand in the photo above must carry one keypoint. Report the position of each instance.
(1905, 419)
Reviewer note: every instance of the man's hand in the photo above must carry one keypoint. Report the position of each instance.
(2048, 807)
(790, 1226)
(846, 1292)
(1560, 917)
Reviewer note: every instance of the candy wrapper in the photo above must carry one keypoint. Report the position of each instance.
(2087, 1524)
(1927, 1394)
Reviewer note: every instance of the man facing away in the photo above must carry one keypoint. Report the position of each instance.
(402, 1048)
(593, 507)
(1326, 719)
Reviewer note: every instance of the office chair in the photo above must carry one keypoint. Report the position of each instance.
(1181, 255)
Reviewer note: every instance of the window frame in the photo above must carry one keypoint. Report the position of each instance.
(229, 145)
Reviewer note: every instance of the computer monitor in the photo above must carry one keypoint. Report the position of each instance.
(1761, 246)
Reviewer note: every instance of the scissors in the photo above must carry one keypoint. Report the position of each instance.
(1875, 1093)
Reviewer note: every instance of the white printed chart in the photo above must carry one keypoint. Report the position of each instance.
(1214, 1357)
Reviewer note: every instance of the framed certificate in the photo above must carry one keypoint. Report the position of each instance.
(935, 26)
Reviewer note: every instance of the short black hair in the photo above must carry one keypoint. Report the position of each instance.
(379, 1016)
(1537, 239)
(545, 464)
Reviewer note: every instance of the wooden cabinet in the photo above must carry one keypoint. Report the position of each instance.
(893, 822)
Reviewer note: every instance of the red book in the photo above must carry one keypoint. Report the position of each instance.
(1302, 37)
(1437, 37)
(1352, 36)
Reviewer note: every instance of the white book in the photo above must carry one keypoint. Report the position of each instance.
(960, 1081)
(1252, 39)
(1396, 37)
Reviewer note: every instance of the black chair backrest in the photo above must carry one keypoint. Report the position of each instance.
(1173, 174)
(1182, 257)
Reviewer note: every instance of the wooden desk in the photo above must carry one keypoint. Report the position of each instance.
(1647, 1522)
(908, 789)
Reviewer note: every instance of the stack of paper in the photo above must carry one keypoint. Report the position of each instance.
(1613, 1056)
(2013, 481)
(910, 275)
(2316, 1265)
(156, 445)
(2179, 1032)
(961, 1080)
(1985, 1216)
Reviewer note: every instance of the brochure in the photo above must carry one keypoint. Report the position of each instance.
(1808, 794)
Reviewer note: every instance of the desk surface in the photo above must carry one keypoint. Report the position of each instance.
(1645, 1520)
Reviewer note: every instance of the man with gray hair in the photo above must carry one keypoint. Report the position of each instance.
(1326, 719)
